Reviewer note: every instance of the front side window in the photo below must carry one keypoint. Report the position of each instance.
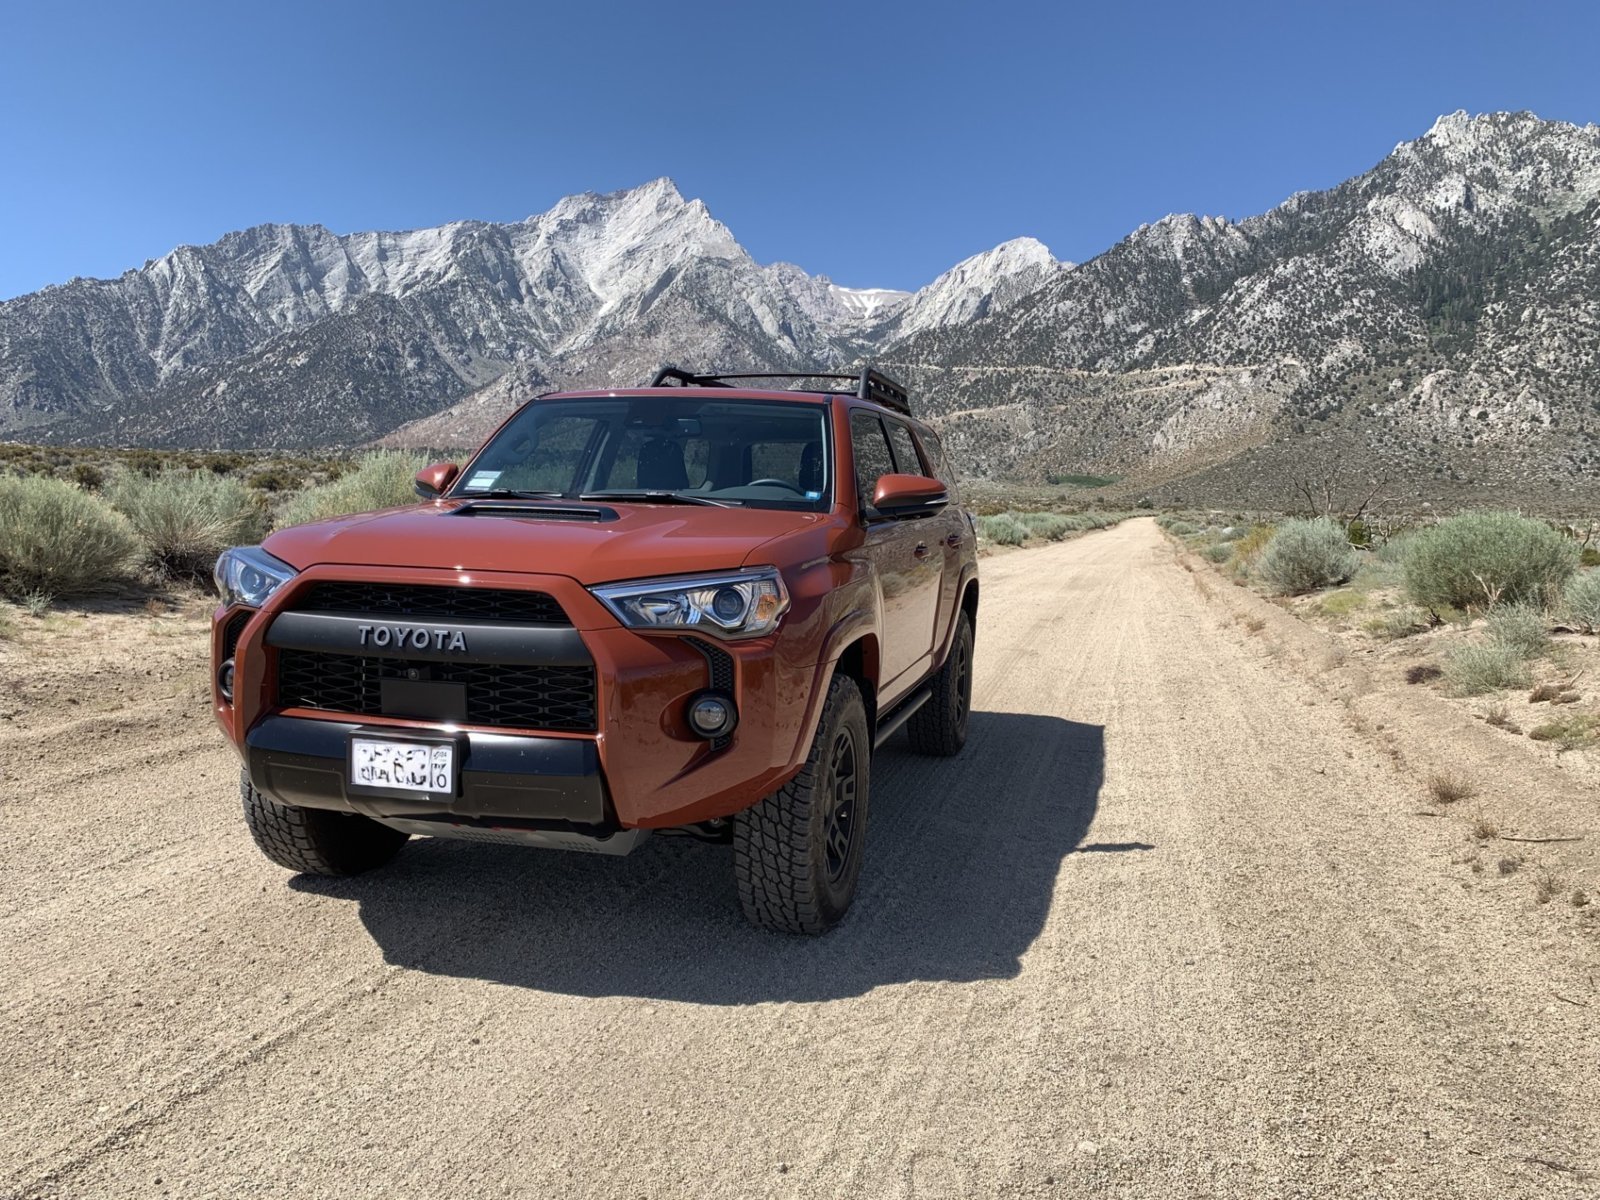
(749, 453)
(871, 453)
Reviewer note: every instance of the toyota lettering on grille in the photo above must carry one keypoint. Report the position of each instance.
(403, 637)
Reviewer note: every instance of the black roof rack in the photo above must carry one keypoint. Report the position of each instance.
(869, 384)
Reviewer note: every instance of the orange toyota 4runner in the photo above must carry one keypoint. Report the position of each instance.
(693, 608)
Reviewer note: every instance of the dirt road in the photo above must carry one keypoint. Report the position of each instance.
(1167, 928)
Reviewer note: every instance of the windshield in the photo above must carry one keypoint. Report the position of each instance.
(750, 453)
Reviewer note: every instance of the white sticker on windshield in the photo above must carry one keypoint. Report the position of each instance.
(483, 479)
(813, 495)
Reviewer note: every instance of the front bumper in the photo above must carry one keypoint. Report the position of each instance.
(641, 768)
(534, 781)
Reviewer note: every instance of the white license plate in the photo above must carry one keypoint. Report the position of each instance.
(409, 766)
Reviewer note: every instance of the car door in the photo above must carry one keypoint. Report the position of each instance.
(950, 527)
(909, 571)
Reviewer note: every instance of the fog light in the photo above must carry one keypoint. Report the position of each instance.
(712, 715)
(225, 681)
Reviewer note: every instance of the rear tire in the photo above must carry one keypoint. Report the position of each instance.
(316, 841)
(797, 855)
(939, 727)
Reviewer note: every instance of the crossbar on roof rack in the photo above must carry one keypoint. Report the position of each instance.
(870, 384)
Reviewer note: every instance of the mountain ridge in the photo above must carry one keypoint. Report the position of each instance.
(1437, 316)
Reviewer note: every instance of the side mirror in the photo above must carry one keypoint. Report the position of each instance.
(432, 481)
(909, 495)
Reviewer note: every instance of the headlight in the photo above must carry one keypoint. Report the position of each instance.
(248, 575)
(738, 605)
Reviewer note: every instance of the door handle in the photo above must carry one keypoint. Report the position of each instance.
(922, 550)
(953, 540)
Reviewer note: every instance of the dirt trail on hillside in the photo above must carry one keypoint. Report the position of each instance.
(1168, 927)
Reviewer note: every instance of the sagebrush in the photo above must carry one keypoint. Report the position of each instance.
(384, 479)
(185, 518)
(1581, 601)
(58, 540)
(1483, 560)
(1305, 555)
(1003, 530)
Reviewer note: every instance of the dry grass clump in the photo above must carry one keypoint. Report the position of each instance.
(1423, 673)
(1522, 627)
(1447, 787)
(1397, 623)
(1248, 548)
(1499, 716)
(1483, 667)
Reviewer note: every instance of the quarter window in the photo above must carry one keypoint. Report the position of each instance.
(906, 457)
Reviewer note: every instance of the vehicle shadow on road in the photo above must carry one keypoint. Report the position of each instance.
(961, 867)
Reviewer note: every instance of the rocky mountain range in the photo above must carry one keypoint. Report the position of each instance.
(1435, 320)
(291, 335)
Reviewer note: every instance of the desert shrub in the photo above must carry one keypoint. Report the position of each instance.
(1180, 528)
(1589, 557)
(1248, 548)
(1003, 530)
(58, 540)
(87, 476)
(275, 479)
(383, 479)
(1581, 601)
(1220, 553)
(1305, 555)
(1051, 526)
(1393, 550)
(1522, 627)
(1479, 560)
(185, 518)
(1482, 667)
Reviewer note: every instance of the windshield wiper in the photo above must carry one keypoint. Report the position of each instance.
(507, 494)
(651, 496)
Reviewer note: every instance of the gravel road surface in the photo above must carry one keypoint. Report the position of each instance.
(1168, 927)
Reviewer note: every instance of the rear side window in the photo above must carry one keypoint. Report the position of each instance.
(871, 453)
(906, 458)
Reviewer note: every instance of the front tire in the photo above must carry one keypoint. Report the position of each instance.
(316, 841)
(939, 727)
(797, 854)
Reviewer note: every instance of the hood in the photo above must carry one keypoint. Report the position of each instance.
(642, 541)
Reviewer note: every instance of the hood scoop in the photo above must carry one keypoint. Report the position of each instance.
(541, 510)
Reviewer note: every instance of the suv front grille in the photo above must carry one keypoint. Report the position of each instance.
(514, 697)
(446, 603)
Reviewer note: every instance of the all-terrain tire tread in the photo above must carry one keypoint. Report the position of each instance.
(936, 728)
(772, 841)
(314, 841)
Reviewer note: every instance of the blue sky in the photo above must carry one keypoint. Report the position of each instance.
(876, 143)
